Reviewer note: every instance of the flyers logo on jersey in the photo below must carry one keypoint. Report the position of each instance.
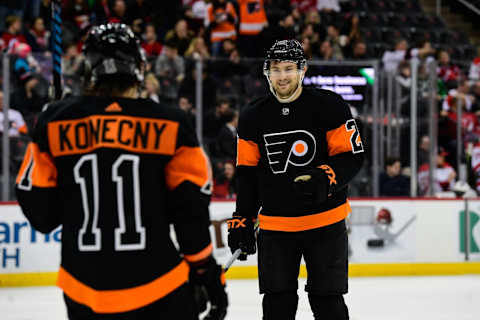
(293, 147)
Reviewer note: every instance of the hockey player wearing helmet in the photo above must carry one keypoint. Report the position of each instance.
(297, 150)
(115, 171)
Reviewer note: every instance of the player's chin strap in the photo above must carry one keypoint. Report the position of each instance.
(294, 95)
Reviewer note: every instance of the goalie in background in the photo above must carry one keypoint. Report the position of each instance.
(115, 170)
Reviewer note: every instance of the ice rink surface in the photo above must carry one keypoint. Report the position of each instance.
(413, 298)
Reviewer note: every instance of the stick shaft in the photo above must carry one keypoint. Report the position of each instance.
(232, 259)
(57, 47)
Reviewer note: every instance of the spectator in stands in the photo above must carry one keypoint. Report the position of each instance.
(423, 155)
(350, 34)
(304, 6)
(209, 90)
(198, 49)
(476, 97)
(224, 183)
(102, 11)
(391, 59)
(333, 36)
(16, 123)
(37, 37)
(226, 141)
(359, 50)
(233, 67)
(215, 119)
(137, 27)
(281, 26)
(72, 61)
(392, 182)
(150, 44)
(423, 51)
(307, 48)
(140, 11)
(446, 70)
(220, 21)
(170, 70)
(185, 104)
(328, 5)
(308, 31)
(180, 35)
(252, 20)
(474, 71)
(13, 32)
(195, 24)
(444, 175)
(27, 99)
(119, 12)
(326, 51)
(46, 12)
(25, 64)
(227, 48)
(77, 11)
(461, 95)
(152, 88)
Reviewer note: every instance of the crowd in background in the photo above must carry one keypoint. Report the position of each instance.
(229, 38)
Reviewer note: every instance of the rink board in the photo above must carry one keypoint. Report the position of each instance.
(425, 238)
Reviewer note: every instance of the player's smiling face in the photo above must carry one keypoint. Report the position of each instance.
(284, 76)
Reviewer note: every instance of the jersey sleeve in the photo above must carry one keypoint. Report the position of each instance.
(248, 157)
(189, 181)
(36, 183)
(345, 146)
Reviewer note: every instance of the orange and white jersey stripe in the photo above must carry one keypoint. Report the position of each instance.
(252, 17)
(225, 29)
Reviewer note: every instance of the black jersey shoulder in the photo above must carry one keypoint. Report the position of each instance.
(86, 106)
(331, 107)
(249, 116)
(80, 106)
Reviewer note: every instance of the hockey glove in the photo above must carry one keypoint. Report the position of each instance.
(241, 235)
(209, 275)
(314, 186)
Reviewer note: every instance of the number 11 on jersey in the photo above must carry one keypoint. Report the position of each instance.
(126, 167)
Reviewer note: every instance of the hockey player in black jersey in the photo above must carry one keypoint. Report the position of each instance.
(297, 150)
(115, 171)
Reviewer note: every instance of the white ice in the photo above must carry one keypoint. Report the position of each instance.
(392, 298)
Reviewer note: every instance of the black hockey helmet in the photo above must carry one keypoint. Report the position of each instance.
(285, 50)
(112, 49)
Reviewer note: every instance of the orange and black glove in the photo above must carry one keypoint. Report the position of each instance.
(241, 235)
(314, 186)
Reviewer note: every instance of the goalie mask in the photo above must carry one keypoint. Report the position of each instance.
(112, 49)
(285, 51)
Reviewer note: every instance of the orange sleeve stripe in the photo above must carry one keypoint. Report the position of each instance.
(248, 153)
(188, 163)
(204, 253)
(122, 300)
(44, 172)
(338, 140)
(26, 161)
(313, 221)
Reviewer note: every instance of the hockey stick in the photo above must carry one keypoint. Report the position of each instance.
(238, 252)
(57, 48)
(232, 259)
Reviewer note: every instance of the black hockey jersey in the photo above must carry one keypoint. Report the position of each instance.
(277, 141)
(115, 173)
